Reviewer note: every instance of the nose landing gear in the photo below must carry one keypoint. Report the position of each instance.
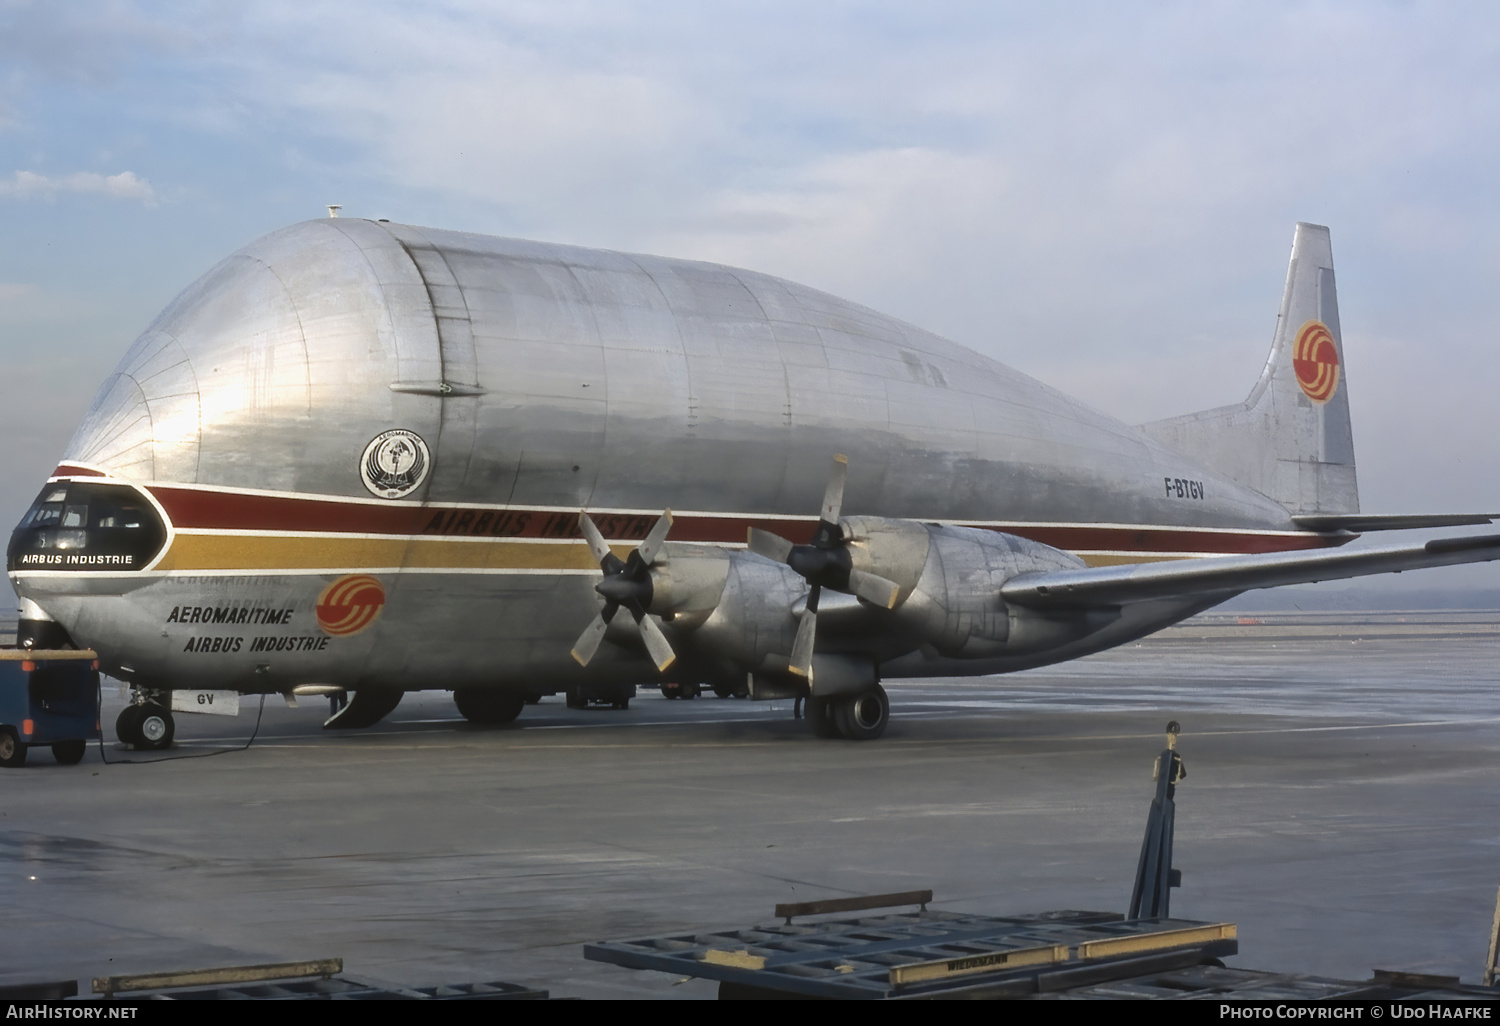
(146, 723)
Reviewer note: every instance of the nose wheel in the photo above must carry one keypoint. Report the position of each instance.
(149, 726)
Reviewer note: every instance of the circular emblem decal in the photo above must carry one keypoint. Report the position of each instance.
(395, 463)
(350, 604)
(1316, 360)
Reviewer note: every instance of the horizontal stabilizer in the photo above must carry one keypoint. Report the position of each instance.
(1390, 521)
(1229, 575)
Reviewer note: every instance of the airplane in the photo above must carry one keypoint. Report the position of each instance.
(359, 458)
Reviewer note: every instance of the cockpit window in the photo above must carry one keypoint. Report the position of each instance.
(87, 526)
(45, 514)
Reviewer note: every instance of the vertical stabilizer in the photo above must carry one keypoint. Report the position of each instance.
(1290, 440)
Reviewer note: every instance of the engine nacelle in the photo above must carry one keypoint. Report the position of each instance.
(950, 580)
(734, 609)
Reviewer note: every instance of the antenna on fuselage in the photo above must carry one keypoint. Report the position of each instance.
(334, 208)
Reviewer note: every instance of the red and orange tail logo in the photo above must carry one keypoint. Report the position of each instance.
(1316, 360)
(350, 604)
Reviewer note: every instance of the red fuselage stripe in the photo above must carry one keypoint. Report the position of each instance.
(193, 508)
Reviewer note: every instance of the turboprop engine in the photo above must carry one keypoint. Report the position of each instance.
(941, 584)
(731, 611)
(950, 580)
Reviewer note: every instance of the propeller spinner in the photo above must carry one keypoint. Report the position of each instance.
(823, 563)
(626, 583)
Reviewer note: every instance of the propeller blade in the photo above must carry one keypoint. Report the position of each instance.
(873, 589)
(802, 649)
(833, 498)
(596, 540)
(656, 644)
(653, 542)
(772, 546)
(588, 641)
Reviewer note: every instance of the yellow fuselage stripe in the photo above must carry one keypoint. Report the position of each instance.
(269, 552)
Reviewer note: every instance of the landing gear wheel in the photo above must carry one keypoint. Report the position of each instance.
(69, 753)
(863, 717)
(364, 708)
(487, 707)
(577, 701)
(724, 690)
(156, 728)
(12, 752)
(690, 690)
(128, 725)
(819, 713)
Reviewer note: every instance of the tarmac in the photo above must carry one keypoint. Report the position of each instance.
(1342, 806)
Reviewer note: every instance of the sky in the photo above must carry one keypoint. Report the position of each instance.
(1098, 194)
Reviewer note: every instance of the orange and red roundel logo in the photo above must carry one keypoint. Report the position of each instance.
(1316, 360)
(350, 604)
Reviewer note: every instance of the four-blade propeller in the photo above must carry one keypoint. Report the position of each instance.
(824, 563)
(626, 583)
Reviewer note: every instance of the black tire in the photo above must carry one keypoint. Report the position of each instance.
(724, 690)
(863, 717)
(128, 725)
(69, 753)
(12, 751)
(487, 707)
(819, 713)
(691, 690)
(670, 693)
(365, 708)
(157, 728)
(576, 700)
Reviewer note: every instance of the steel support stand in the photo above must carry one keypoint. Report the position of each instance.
(1490, 969)
(1154, 875)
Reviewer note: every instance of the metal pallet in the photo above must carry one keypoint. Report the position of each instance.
(319, 979)
(340, 988)
(926, 953)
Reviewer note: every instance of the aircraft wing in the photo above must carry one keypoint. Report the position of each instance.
(1389, 521)
(1122, 585)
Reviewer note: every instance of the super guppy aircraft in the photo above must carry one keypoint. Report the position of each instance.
(367, 458)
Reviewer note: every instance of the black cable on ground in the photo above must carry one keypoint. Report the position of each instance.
(99, 719)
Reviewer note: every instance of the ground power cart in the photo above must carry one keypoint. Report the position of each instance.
(48, 697)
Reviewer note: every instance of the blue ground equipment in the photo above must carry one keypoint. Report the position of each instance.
(48, 697)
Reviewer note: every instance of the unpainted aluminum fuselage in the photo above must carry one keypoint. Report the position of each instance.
(546, 379)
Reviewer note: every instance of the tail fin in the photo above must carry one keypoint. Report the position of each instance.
(1290, 440)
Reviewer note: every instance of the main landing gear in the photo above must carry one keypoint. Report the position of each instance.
(146, 724)
(364, 708)
(488, 707)
(857, 717)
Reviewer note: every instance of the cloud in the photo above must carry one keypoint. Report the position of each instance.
(123, 186)
(16, 293)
